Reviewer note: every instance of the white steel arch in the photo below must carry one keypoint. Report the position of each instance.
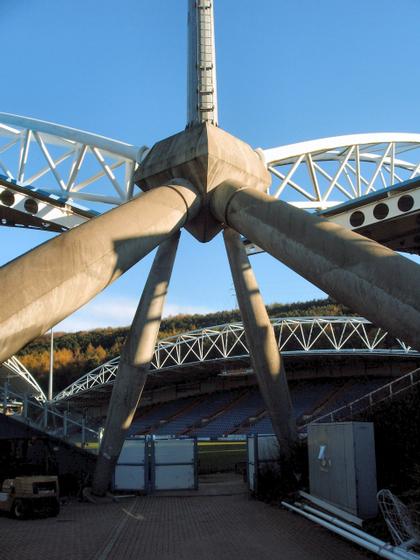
(317, 174)
(323, 173)
(13, 368)
(67, 162)
(295, 336)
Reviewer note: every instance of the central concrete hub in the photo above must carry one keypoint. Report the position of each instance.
(206, 156)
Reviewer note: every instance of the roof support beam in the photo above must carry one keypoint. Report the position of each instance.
(134, 365)
(265, 357)
(364, 275)
(47, 284)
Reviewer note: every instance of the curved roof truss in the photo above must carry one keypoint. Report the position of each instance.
(317, 174)
(323, 173)
(295, 337)
(15, 373)
(66, 162)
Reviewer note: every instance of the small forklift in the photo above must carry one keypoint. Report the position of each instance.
(27, 496)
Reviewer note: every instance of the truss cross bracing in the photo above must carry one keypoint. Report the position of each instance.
(46, 170)
(66, 162)
(320, 174)
(13, 372)
(221, 343)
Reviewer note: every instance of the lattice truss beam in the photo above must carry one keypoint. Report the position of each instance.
(14, 368)
(67, 162)
(297, 336)
(317, 174)
(323, 173)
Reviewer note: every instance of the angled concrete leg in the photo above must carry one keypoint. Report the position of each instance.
(369, 278)
(263, 350)
(134, 364)
(47, 284)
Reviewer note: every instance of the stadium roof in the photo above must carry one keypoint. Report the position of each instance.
(210, 351)
(13, 372)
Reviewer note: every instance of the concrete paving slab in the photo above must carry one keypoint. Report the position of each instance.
(213, 526)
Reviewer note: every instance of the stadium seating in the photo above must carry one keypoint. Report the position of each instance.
(204, 408)
(152, 416)
(242, 411)
(244, 407)
(352, 391)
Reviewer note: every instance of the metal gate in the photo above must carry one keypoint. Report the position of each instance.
(131, 471)
(174, 464)
(262, 451)
(150, 464)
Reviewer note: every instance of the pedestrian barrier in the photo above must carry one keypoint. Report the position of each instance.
(132, 466)
(46, 417)
(149, 464)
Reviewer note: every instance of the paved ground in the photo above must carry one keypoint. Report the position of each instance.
(221, 523)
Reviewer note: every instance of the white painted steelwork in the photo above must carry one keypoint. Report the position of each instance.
(295, 336)
(44, 416)
(15, 368)
(68, 165)
(37, 210)
(323, 173)
(369, 206)
(67, 162)
(386, 206)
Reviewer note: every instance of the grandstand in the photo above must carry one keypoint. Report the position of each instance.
(202, 384)
(242, 411)
(330, 363)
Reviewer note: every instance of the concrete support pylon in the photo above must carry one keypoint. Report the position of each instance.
(134, 365)
(369, 278)
(263, 350)
(42, 287)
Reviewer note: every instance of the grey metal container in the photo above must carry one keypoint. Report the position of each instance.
(342, 466)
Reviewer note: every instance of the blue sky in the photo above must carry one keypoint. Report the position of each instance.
(288, 70)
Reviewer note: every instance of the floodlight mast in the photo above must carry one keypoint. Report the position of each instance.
(202, 87)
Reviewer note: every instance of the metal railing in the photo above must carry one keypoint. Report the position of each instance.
(370, 400)
(47, 418)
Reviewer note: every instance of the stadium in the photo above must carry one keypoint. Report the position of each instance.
(202, 383)
(173, 448)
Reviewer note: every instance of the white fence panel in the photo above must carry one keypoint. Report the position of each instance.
(131, 469)
(174, 464)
